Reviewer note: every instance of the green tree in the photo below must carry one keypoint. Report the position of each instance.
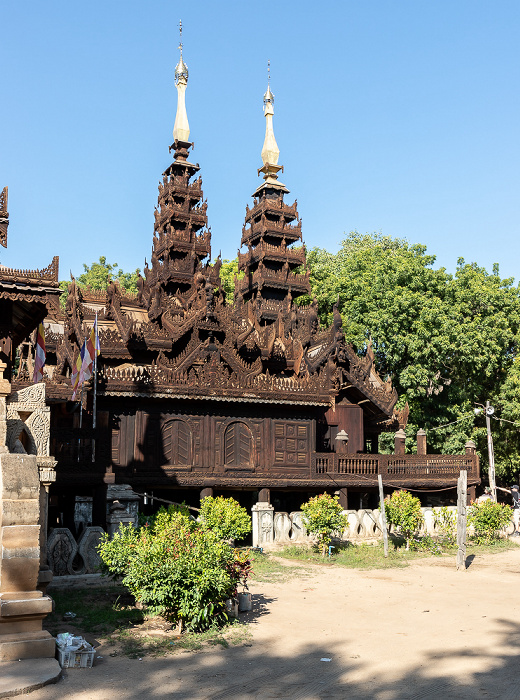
(404, 512)
(323, 516)
(225, 517)
(98, 275)
(447, 341)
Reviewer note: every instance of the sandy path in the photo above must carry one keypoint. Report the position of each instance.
(426, 631)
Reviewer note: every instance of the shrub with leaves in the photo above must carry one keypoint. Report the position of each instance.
(225, 517)
(404, 512)
(323, 516)
(175, 568)
(446, 522)
(488, 519)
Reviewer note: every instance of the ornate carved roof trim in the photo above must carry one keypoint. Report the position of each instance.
(48, 274)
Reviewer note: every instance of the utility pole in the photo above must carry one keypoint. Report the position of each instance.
(492, 484)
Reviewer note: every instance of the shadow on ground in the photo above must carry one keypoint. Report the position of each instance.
(245, 672)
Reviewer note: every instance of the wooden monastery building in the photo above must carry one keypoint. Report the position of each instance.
(199, 396)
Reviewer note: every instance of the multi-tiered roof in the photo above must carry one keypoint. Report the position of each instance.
(274, 267)
(179, 338)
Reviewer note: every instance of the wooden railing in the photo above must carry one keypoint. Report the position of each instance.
(397, 466)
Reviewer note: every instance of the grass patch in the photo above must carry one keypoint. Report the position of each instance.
(355, 556)
(267, 569)
(495, 548)
(129, 643)
(365, 556)
(110, 615)
(98, 611)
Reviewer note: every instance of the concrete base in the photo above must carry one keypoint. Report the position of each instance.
(17, 677)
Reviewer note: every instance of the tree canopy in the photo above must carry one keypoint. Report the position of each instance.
(98, 275)
(448, 341)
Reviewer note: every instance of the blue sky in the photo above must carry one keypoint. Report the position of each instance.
(395, 116)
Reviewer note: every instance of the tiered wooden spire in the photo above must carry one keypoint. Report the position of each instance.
(181, 238)
(270, 233)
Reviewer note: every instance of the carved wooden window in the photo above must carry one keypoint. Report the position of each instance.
(177, 443)
(238, 445)
(291, 444)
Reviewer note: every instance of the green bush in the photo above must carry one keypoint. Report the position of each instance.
(322, 517)
(176, 568)
(446, 521)
(225, 517)
(488, 518)
(404, 512)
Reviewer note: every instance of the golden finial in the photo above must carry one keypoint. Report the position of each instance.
(270, 150)
(268, 96)
(181, 129)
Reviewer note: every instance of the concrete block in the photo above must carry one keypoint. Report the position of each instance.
(22, 512)
(18, 575)
(30, 606)
(23, 537)
(27, 645)
(17, 626)
(19, 477)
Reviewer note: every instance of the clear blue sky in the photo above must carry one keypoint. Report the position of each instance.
(397, 116)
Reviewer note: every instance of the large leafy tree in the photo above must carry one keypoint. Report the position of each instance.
(447, 341)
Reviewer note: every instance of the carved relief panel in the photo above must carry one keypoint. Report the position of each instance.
(177, 442)
(291, 443)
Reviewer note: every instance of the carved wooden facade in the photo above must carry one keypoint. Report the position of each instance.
(197, 393)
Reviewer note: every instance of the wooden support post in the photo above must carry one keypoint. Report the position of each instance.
(264, 496)
(462, 487)
(343, 498)
(383, 514)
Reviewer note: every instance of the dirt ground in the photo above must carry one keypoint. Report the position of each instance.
(426, 631)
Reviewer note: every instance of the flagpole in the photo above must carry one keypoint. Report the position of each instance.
(94, 407)
(80, 419)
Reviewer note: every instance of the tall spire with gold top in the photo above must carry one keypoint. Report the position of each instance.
(181, 129)
(181, 239)
(271, 229)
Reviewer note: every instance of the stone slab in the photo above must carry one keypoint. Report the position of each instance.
(27, 645)
(18, 677)
(27, 606)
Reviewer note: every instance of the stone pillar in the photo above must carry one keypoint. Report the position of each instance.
(47, 475)
(263, 524)
(343, 498)
(22, 607)
(122, 507)
(471, 448)
(205, 493)
(264, 495)
(421, 442)
(399, 442)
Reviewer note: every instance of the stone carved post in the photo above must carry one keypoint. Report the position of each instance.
(263, 524)
(122, 507)
(399, 442)
(22, 607)
(421, 442)
(47, 475)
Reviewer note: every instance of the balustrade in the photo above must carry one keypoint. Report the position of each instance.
(396, 466)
